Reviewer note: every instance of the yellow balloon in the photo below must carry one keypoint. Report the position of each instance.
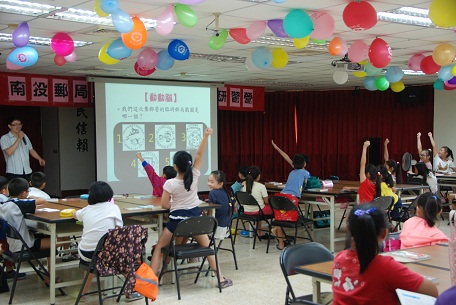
(443, 13)
(301, 42)
(104, 57)
(454, 70)
(444, 54)
(98, 9)
(360, 74)
(397, 87)
(279, 58)
(364, 62)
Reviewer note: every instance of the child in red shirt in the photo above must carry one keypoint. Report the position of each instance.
(157, 181)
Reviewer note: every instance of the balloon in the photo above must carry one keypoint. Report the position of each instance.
(340, 77)
(297, 24)
(371, 70)
(142, 71)
(381, 83)
(452, 81)
(444, 54)
(122, 21)
(380, 53)
(59, 60)
(397, 86)
(147, 59)
(278, 1)
(11, 66)
(109, 6)
(438, 84)
(191, 1)
(369, 83)
(104, 57)
(186, 15)
(165, 22)
(262, 58)
(21, 35)
(256, 29)
(62, 44)
(324, 25)
(118, 50)
(301, 42)
(442, 13)
(318, 41)
(240, 35)
(448, 86)
(337, 47)
(71, 57)
(358, 51)
(394, 74)
(250, 66)
(428, 66)
(177, 49)
(24, 57)
(279, 58)
(165, 61)
(454, 71)
(137, 37)
(360, 74)
(415, 62)
(98, 9)
(216, 42)
(276, 26)
(359, 16)
(445, 73)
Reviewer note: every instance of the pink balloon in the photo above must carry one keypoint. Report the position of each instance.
(71, 57)
(358, 51)
(147, 59)
(415, 61)
(380, 53)
(11, 66)
(256, 29)
(344, 48)
(21, 35)
(59, 60)
(143, 72)
(62, 44)
(324, 25)
(165, 22)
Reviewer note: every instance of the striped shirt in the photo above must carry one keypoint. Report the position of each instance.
(19, 162)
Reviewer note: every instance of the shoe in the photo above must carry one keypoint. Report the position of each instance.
(69, 257)
(134, 297)
(226, 283)
(47, 280)
(278, 248)
(10, 275)
(266, 237)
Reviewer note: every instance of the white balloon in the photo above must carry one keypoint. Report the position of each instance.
(340, 77)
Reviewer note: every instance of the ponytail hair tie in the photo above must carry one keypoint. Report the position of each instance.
(360, 212)
(378, 174)
(190, 162)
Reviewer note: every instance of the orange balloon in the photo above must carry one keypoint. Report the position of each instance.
(335, 46)
(137, 37)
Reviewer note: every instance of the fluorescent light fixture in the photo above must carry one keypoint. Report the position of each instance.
(42, 41)
(288, 42)
(413, 73)
(407, 15)
(26, 8)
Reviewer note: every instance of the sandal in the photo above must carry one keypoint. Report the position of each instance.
(47, 280)
(226, 283)
(278, 248)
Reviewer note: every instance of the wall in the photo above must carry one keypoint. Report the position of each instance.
(445, 119)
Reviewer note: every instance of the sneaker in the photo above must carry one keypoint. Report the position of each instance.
(69, 257)
(134, 297)
(10, 275)
(226, 283)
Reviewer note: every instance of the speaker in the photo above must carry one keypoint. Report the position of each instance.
(412, 95)
(375, 152)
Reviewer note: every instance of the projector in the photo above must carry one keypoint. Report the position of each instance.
(211, 32)
(349, 66)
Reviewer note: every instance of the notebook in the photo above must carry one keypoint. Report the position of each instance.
(404, 256)
(414, 298)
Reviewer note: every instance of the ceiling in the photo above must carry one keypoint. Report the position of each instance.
(307, 70)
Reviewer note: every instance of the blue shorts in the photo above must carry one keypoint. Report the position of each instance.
(178, 215)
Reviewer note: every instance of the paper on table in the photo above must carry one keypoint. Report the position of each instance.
(47, 210)
(404, 256)
(413, 298)
(140, 207)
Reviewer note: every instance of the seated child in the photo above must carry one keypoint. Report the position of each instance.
(420, 230)
(37, 184)
(157, 181)
(219, 195)
(242, 172)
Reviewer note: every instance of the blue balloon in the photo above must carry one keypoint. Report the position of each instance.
(165, 61)
(109, 6)
(369, 83)
(122, 21)
(278, 1)
(262, 58)
(24, 57)
(298, 24)
(371, 70)
(439, 85)
(118, 50)
(394, 74)
(445, 73)
(178, 50)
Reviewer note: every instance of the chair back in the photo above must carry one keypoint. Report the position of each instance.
(10, 231)
(303, 254)
(383, 202)
(282, 203)
(245, 198)
(194, 226)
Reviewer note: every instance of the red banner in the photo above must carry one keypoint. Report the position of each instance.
(18, 89)
(240, 98)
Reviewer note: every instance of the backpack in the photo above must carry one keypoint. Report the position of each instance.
(312, 183)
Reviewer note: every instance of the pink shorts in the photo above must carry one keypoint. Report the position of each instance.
(266, 211)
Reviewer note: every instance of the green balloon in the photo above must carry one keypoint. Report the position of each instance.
(186, 15)
(439, 84)
(216, 42)
(318, 41)
(382, 83)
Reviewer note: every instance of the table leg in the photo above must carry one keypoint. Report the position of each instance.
(53, 237)
(316, 296)
(332, 223)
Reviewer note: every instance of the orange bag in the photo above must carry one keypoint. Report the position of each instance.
(146, 282)
(287, 215)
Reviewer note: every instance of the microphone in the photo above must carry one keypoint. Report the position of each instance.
(25, 142)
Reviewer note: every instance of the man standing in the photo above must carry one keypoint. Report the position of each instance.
(16, 148)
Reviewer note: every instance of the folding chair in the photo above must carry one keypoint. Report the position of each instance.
(190, 227)
(25, 255)
(384, 203)
(406, 212)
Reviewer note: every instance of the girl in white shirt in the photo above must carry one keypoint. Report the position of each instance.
(442, 162)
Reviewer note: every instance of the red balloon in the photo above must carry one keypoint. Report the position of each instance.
(143, 72)
(448, 86)
(59, 60)
(380, 53)
(240, 35)
(428, 66)
(359, 16)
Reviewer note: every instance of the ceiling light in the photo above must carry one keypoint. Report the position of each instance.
(288, 42)
(26, 8)
(412, 72)
(42, 41)
(407, 15)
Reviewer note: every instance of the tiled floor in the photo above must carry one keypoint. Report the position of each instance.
(259, 279)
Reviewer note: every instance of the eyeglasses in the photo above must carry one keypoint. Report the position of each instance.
(18, 124)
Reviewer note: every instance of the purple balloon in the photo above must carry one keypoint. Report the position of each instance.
(452, 81)
(276, 26)
(21, 35)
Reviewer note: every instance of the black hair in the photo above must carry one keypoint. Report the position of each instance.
(306, 159)
(396, 170)
(372, 171)
(298, 161)
(37, 179)
(423, 171)
(100, 191)
(219, 176)
(449, 152)
(11, 119)
(169, 172)
(16, 186)
(385, 176)
(431, 207)
(243, 170)
(183, 161)
(427, 152)
(3, 183)
(252, 175)
(365, 224)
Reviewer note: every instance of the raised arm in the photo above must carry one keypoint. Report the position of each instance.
(434, 148)
(282, 153)
(418, 143)
(362, 163)
(385, 150)
(201, 148)
(140, 157)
